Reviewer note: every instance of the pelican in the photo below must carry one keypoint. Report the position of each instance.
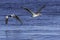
(34, 14)
(14, 16)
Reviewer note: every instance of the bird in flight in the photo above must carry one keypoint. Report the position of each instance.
(34, 14)
(13, 16)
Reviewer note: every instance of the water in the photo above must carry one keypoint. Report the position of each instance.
(44, 27)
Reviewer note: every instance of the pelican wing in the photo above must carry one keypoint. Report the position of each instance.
(18, 19)
(28, 10)
(41, 8)
(6, 21)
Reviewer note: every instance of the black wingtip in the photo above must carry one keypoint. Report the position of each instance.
(21, 7)
(44, 6)
(21, 23)
(6, 23)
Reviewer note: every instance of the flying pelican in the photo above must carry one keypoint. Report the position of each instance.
(33, 13)
(14, 16)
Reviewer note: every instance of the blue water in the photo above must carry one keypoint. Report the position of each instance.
(44, 27)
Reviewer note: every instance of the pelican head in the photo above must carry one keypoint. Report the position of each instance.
(6, 16)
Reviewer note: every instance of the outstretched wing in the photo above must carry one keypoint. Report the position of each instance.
(41, 8)
(18, 19)
(6, 21)
(28, 10)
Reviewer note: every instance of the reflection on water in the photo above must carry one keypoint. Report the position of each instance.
(44, 27)
(17, 35)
